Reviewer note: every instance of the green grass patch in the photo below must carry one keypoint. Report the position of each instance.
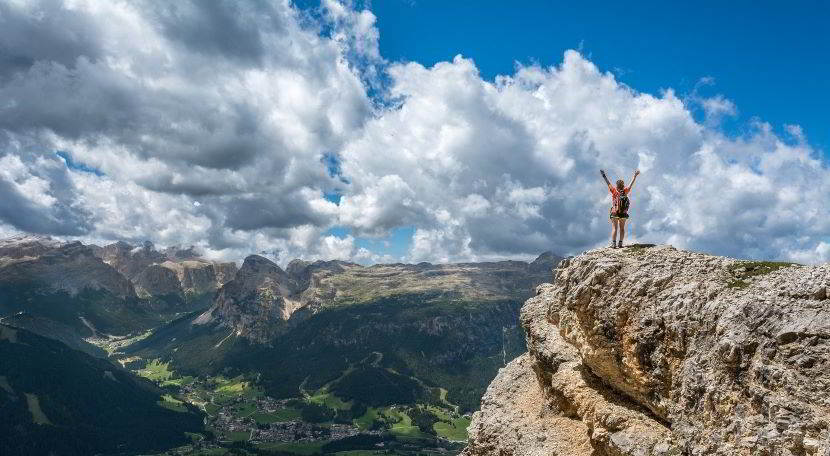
(170, 402)
(737, 283)
(156, 371)
(402, 426)
(195, 436)
(638, 249)
(238, 436)
(245, 410)
(181, 381)
(439, 412)
(287, 414)
(365, 422)
(743, 272)
(455, 429)
(234, 386)
(38, 417)
(227, 390)
(330, 400)
(212, 409)
(222, 399)
(113, 344)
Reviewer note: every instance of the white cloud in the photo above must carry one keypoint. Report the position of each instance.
(717, 107)
(819, 254)
(515, 165)
(208, 121)
(20, 178)
(385, 203)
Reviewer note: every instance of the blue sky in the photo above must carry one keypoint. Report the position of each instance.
(772, 59)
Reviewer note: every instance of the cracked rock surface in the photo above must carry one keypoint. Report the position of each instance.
(660, 351)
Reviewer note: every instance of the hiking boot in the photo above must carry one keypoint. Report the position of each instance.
(619, 246)
(613, 245)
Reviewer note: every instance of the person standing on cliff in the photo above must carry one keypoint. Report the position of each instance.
(619, 209)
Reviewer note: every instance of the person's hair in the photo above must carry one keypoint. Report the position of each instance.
(621, 184)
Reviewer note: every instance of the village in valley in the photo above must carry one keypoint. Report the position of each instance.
(239, 415)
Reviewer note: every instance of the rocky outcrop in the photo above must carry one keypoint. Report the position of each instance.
(543, 263)
(196, 276)
(224, 272)
(658, 351)
(69, 290)
(130, 260)
(55, 266)
(23, 246)
(157, 281)
(256, 302)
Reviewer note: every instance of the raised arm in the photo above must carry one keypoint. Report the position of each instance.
(634, 179)
(607, 182)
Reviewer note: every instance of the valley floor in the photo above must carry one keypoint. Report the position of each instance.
(242, 419)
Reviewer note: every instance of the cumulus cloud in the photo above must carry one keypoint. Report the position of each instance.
(510, 167)
(228, 125)
(715, 108)
(207, 122)
(39, 195)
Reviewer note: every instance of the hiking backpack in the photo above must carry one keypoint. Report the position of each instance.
(621, 203)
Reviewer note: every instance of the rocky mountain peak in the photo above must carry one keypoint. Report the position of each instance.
(257, 264)
(27, 246)
(128, 259)
(296, 267)
(120, 245)
(258, 272)
(69, 266)
(257, 301)
(658, 351)
(544, 262)
(196, 276)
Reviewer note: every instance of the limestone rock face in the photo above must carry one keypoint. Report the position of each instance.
(56, 266)
(130, 260)
(517, 417)
(26, 246)
(256, 301)
(659, 351)
(225, 272)
(196, 276)
(157, 280)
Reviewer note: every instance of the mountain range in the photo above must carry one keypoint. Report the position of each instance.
(366, 339)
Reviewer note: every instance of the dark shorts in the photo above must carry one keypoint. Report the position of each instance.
(618, 216)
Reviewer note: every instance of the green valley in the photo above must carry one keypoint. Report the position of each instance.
(321, 358)
(56, 400)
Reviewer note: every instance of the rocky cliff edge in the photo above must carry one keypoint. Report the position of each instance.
(658, 351)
